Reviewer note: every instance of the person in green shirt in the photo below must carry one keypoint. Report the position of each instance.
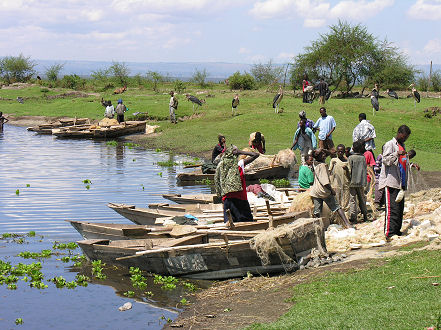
(306, 177)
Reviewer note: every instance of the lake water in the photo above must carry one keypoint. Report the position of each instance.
(41, 186)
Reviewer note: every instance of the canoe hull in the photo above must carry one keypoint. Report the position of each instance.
(86, 132)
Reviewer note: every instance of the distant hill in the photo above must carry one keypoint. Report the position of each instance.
(183, 71)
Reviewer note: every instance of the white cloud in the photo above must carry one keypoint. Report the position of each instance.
(424, 9)
(316, 12)
(259, 58)
(285, 56)
(243, 50)
(433, 47)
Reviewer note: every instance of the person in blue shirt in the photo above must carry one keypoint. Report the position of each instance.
(304, 140)
(326, 126)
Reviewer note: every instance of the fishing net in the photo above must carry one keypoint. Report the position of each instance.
(302, 202)
(272, 241)
(106, 122)
(285, 158)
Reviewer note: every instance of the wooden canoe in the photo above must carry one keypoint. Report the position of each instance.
(202, 257)
(99, 230)
(93, 132)
(47, 128)
(275, 172)
(193, 199)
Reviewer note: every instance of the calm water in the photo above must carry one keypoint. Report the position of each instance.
(49, 174)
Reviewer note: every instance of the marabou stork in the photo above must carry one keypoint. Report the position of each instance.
(277, 99)
(20, 99)
(234, 103)
(392, 93)
(375, 104)
(194, 100)
(415, 94)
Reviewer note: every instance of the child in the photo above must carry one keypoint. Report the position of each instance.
(306, 177)
(410, 155)
(358, 169)
(2, 121)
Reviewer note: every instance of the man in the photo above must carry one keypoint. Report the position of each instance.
(234, 103)
(304, 140)
(306, 176)
(305, 84)
(358, 169)
(230, 183)
(322, 87)
(340, 177)
(257, 142)
(326, 126)
(365, 131)
(392, 180)
(120, 109)
(173, 104)
(110, 110)
(309, 122)
(321, 191)
(219, 148)
(3, 120)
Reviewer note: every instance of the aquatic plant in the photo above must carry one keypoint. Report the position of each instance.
(35, 255)
(137, 279)
(167, 282)
(97, 269)
(59, 281)
(38, 284)
(87, 181)
(17, 192)
(87, 187)
(189, 286)
(62, 246)
(18, 321)
(112, 143)
(184, 301)
(131, 145)
(129, 293)
(82, 280)
(158, 150)
(168, 163)
(28, 185)
(31, 233)
(160, 174)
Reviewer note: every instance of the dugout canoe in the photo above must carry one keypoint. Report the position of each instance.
(193, 199)
(212, 257)
(97, 132)
(111, 231)
(47, 128)
(275, 172)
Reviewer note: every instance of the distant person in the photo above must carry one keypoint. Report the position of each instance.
(257, 142)
(322, 87)
(322, 191)
(3, 120)
(304, 140)
(110, 110)
(234, 103)
(230, 184)
(219, 148)
(358, 170)
(120, 109)
(306, 176)
(340, 177)
(305, 84)
(309, 122)
(173, 106)
(365, 131)
(393, 179)
(326, 126)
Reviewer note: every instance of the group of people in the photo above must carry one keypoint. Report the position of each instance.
(353, 171)
(322, 88)
(111, 111)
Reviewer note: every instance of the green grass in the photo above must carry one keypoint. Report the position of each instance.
(256, 114)
(384, 296)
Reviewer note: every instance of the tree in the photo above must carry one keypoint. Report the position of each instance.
(120, 71)
(179, 86)
(16, 68)
(100, 74)
(156, 78)
(199, 77)
(53, 71)
(348, 55)
(266, 74)
(241, 81)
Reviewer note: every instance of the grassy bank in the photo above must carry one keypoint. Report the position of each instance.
(398, 294)
(256, 113)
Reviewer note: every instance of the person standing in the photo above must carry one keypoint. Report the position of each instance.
(173, 105)
(321, 191)
(230, 183)
(257, 141)
(309, 122)
(305, 84)
(326, 126)
(306, 176)
(304, 139)
(340, 177)
(110, 110)
(365, 131)
(3, 120)
(322, 87)
(219, 148)
(234, 103)
(392, 180)
(358, 170)
(120, 109)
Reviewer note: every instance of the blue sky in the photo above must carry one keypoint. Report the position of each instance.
(238, 31)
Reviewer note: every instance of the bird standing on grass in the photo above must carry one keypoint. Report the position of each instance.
(277, 99)
(415, 94)
(194, 100)
(374, 99)
(234, 104)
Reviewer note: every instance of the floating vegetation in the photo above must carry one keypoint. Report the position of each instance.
(131, 145)
(142, 187)
(88, 187)
(160, 174)
(167, 282)
(187, 163)
(168, 163)
(263, 181)
(158, 150)
(59, 281)
(189, 286)
(31, 233)
(35, 255)
(87, 181)
(28, 185)
(129, 294)
(134, 160)
(18, 321)
(82, 280)
(207, 182)
(112, 143)
(17, 192)
(184, 301)
(63, 246)
(97, 269)
(138, 281)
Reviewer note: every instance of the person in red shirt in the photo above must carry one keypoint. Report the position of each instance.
(370, 163)
(305, 83)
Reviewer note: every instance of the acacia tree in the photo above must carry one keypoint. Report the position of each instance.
(199, 77)
(16, 68)
(348, 55)
(53, 71)
(120, 71)
(266, 73)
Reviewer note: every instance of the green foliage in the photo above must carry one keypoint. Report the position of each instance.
(97, 269)
(82, 280)
(168, 163)
(63, 246)
(120, 72)
(199, 77)
(189, 286)
(53, 71)
(31, 233)
(35, 255)
(267, 73)
(100, 75)
(241, 81)
(155, 78)
(129, 294)
(73, 81)
(18, 321)
(179, 86)
(112, 143)
(17, 192)
(167, 282)
(138, 280)
(16, 68)
(281, 183)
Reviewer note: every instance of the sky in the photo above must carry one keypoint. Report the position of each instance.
(234, 31)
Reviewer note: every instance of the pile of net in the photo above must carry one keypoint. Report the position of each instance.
(107, 122)
(422, 222)
(270, 241)
(286, 158)
(302, 202)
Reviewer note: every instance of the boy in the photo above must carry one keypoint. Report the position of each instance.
(358, 169)
(306, 177)
(410, 155)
